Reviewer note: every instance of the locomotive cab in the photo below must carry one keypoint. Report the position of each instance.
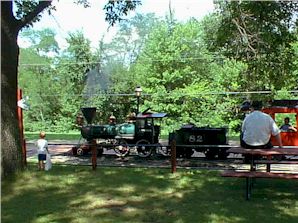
(141, 132)
(146, 128)
(278, 110)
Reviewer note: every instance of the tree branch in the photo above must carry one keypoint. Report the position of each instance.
(246, 38)
(6, 13)
(38, 9)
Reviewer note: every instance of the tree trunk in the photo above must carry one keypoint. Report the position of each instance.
(11, 151)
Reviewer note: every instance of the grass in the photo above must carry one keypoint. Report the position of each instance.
(234, 138)
(53, 136)
(78, 194)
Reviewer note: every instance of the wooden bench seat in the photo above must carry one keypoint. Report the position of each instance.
(251, 175)
(269, 162)
(264, 152)
(276, 161)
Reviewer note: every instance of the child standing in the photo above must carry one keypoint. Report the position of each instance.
(42, 150)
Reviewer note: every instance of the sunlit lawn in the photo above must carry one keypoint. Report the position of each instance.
(75, 135)
(78, 194)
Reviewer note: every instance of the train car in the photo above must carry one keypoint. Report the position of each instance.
(213, 142)
(287, 108)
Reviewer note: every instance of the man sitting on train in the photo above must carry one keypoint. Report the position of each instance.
(287, 127)
(258, 127)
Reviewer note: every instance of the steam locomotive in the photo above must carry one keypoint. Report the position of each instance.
(142, 135)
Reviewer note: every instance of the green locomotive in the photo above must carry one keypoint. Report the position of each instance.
(140, 133)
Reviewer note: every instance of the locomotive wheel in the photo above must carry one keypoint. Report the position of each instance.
(122, 148)
(143, 150)
(80, 152)
(163, 150)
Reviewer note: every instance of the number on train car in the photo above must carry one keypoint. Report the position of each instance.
(194, 138)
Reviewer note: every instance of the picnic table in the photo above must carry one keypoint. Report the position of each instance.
(254, 173)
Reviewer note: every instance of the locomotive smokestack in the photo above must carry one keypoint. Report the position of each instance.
(89, 114)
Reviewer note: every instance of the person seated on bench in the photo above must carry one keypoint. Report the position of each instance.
(257, 129)
(287, 127)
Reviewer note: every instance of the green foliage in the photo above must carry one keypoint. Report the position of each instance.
(78, 58)
(130, 39)
(54, 84)
(36, 78)
(183, 78)
(116, 9)
(42, 41)
(71, 70)
(193, 71)
(293, 82)
(284, 94)
(258, 33)
(118, 58)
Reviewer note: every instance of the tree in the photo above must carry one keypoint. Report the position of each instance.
(185, 80)
(259, 33)
(26, 13)
(71, 71)
(42, 41)
(118, 58)
(10, 27)
(36, 78)
(129, 40)
(176, 65)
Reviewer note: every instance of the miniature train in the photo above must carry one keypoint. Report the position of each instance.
(142, 135)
